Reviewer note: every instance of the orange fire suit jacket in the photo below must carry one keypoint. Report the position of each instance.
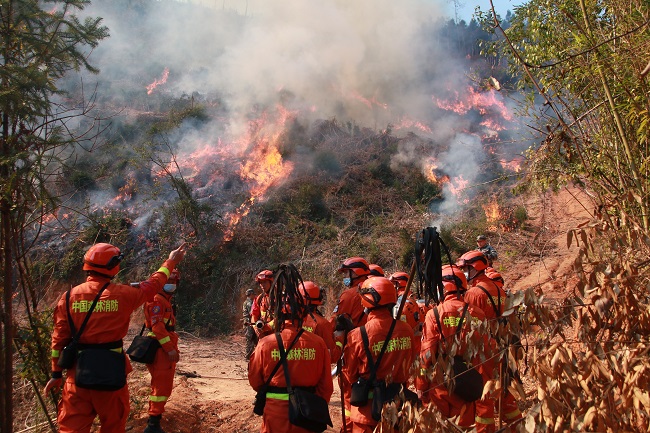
(110, 319)
(315, 322)
(479, 298)
(309, 366)
(350, 304)
(261, 308)
(433, 340)
(412, 315)
(395, 363)
(159, 317)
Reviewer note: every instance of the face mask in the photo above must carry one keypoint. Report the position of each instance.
(466, 275)
(347, 282)
(169, 288)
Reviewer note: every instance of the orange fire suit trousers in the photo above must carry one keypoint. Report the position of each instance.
(162, 382)
(80, 406)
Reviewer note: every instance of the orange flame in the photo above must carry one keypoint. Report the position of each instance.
(514, 164)
(264, 166)
(492, 211)
(475, 100)
(156, 83)
(457, 187)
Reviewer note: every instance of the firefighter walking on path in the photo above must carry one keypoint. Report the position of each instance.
(160, 319)
(91, 320)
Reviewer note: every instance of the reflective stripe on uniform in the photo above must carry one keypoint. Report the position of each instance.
(339, 344)
(277, 395)
(164, 270)
(515, 413)
(158, 398)
(55, 353)
(480, 420)
(118, 350)
(347, 413)
(164, 340)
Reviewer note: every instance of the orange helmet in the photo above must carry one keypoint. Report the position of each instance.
(453, 274)
(377, 291)
(495, 276)
(399, 279)
(311, 292)
(475, 259)
(104, 259)
(357, 265)
(376, 270)
(265, 275)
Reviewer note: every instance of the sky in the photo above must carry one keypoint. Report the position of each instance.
(466, 7)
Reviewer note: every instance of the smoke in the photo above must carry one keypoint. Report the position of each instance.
(371, 62)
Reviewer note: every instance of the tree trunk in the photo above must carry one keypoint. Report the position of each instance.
(6, 387)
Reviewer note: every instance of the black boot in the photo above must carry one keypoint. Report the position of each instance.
(153, 425)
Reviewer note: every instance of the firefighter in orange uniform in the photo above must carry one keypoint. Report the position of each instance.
(349, 314)
(160, 319)
(487, 293)
(314, 321)
(308, 363)
(411, 313)
(105, 329)
(437, 338)
(349, 304)
(378, 297)
(261, 311)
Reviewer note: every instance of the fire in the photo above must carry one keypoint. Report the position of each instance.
(483, 102)
(156, 83)
(263, 167)
(457, 187)
(513, 165)
(498, 217)
(432, 173)
(492, 211)
(412, 124)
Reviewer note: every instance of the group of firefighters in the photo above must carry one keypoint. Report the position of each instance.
(384, 347)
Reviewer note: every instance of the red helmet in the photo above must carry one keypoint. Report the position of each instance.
(376, 270)
(377, 291)
(400, 279)
(104, 259)
(453, 274)
(311, 292)
(475, 259)
(265, 275)
(357, 265)
(495, 276)
(174, 277)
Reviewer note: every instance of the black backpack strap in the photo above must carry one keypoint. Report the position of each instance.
(366, 346)
(458, 327)
(283, 359)
(497, 310)
(76, 335)
(375, 367)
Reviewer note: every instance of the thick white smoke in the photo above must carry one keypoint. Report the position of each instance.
(372, 62)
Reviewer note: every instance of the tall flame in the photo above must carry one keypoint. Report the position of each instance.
(263, 167)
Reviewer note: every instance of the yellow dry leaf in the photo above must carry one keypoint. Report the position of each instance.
(589, 416)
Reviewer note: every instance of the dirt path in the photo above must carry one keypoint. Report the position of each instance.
(211, 390)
